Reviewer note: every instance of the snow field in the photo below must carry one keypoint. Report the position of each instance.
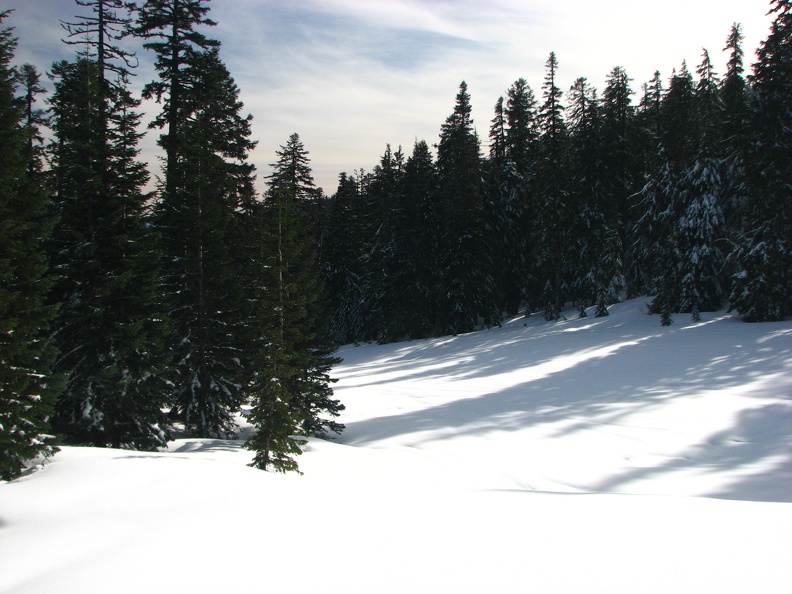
(589, 455)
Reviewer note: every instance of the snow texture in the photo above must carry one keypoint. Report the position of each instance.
(587, 455)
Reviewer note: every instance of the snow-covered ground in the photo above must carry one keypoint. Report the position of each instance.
(588, 455)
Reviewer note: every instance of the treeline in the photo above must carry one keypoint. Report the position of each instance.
(124, 313)
(681, 192)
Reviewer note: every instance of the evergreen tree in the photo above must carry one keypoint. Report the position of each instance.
(596, 274)
(762, 290)
(344, 250)
(414, 304)
(35, 118)
(465, 270)
(651, 157)
(655, 250)
(623, 170)
(700, 229)
(205, 263)
(380, 258)
(678, 118)
(497, 136)
(291, 392)
(512, 158)
(708, 106)
(735, 131)
(170, 29)
(110, 326)
(28, 387)
(699, 233)
(521, 126)
(551, 184)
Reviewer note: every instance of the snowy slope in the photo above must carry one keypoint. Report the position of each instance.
(595, 455)
(616, 404)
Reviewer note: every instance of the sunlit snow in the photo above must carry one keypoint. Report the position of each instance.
(587, 455)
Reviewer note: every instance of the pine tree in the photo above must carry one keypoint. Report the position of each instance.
(735, 131)
(380, 259)
(170, 29)
(762, 290)
(700, 229)
(465, 271)
(110, 327)
(596, 274)
(655, 251)
(415, 225)
(344, 250)
(678, 118)
(551, 183)
(291, 393)
(512, 147)
(623, 171)
(28, 387)
(205, 261)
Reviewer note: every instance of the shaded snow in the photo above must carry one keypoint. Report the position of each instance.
(592, 455)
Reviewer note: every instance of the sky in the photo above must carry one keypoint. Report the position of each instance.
(351, 76)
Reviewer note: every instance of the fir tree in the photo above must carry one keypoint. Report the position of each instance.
(699, 235)
(204, 265)
(596, 274)
(465, 271)
(28, 387)
(415, 225)
(170, 29)
(762, 290)
(648, 145)
(551, 184)
(700, 229)
(708, 104)
(497, 134)
(735, 131)
(655, 250)
(291, 393)
(522, 128)
(505, 192)
(344, 250)
(110, 326)
(623, 168)
(678, 118)
(380, 259)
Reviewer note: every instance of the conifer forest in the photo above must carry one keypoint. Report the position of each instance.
(138, 303)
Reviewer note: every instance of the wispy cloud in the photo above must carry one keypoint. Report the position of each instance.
(352, 75)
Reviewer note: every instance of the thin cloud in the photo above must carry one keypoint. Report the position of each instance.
(351, 76)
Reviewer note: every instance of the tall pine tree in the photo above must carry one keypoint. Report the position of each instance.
(415, 225)
(28, 387)
(762, 290)
(171, 29)
(551, 184)
(344, 249)
(465, 270)
(291, 392)
(110, 327)
(204, 256)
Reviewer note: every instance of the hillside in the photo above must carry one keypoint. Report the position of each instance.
(587, 455)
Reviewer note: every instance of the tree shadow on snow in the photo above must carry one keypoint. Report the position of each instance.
(597, 379)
